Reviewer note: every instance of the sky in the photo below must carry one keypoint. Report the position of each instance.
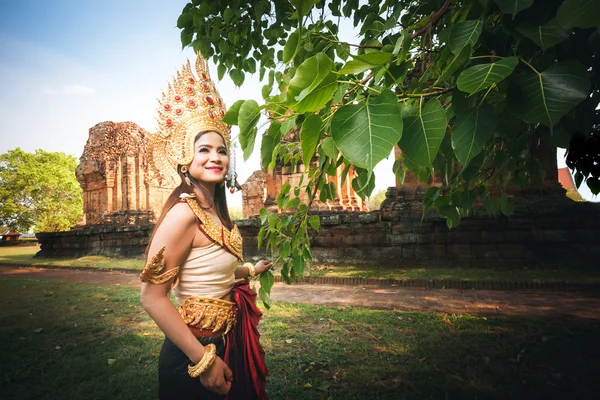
(66, 65)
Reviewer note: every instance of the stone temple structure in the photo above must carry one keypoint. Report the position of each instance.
(113, 173)
(121, 200)
(547, 230)
(261, 188)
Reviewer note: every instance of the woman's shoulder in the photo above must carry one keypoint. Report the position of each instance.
(181, 213)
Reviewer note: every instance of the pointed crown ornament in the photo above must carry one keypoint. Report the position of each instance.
(190, 105)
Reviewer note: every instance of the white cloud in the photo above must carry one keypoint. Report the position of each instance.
(71, 90)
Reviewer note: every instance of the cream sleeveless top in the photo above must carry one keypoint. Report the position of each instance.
(207, 272)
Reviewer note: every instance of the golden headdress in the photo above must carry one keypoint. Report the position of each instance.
(189, 106)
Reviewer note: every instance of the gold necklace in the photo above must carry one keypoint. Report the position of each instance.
(230, 240)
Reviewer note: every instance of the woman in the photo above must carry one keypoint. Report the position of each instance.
(211, 346)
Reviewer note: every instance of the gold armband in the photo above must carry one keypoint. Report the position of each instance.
(251, 269)
(154, 271)
(208, 358)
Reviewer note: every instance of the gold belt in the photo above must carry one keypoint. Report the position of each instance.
(208, 313)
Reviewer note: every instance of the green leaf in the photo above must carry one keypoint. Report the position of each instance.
(328, 146)
(451, 214)
(237, 76)
(314, 222)
(309, 137)
(424, 133)
(298, 266)
(513, 7)
(455, 64)
(482, 76)
(579, 13)
(492, 206)
(366, 133)
(263, 213)
(464, 34)
(247, 142)
(545, 97)
(272, 220)
(343, 51)
(231, 117)
(186, 37)
(545, 36)
(366, 61)
(266, 151)
(507, 208)
(291, 46)
(261, 236)
(471, 131)
(266, 281)
(264, 296)
(473, 168)
(221, 69)
(285, 249)
(287, 125)
(250, 65)
(303, 7)
(313, 84)
(184, 20)
(248, 116)
(310, 74)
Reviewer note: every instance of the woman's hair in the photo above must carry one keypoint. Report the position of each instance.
(220, 200)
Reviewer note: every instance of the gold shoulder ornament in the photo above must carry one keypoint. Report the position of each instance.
(231, 240)
(154, 271)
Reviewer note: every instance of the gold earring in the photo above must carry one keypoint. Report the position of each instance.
(186, 178)
(184, 169)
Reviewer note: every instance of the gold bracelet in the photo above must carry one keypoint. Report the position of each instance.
(210, 354)
(251, 269)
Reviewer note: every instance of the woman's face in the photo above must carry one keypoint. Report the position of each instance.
(211, 161)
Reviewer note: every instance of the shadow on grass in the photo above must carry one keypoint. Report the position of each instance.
(85, 342)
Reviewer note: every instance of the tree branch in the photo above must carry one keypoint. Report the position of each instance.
(437, 93)
(433, 19)
(361, 46)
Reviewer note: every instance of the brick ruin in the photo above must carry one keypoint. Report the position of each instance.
(547, 230)
(113, 173)
(261, 188)
(120, 199)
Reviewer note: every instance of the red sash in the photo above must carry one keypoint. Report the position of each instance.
(243, 353)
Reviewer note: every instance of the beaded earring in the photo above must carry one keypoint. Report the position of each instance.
(231, 179)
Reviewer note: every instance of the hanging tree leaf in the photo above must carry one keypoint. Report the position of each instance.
(513, 7)
(547, 96)
(545, 36)
(482, 76)
(366, 133)
(471, 131)
(424, 133)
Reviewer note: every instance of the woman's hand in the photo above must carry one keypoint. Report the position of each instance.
(262, 266)
(217, 377)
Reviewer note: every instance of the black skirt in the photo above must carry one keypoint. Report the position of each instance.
(174, 382)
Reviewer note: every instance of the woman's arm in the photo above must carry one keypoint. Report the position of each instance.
(176, 234)
(260, 267)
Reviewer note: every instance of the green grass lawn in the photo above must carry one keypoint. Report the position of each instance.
(67, 341)
(25, 255)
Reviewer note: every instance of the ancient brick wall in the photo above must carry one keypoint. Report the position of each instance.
(398, 238)
(539, 234)
(106, 240)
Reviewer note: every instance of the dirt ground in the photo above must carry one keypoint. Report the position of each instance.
(490, 302)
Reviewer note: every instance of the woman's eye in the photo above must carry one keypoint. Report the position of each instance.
(223, 152)
(202, 149)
